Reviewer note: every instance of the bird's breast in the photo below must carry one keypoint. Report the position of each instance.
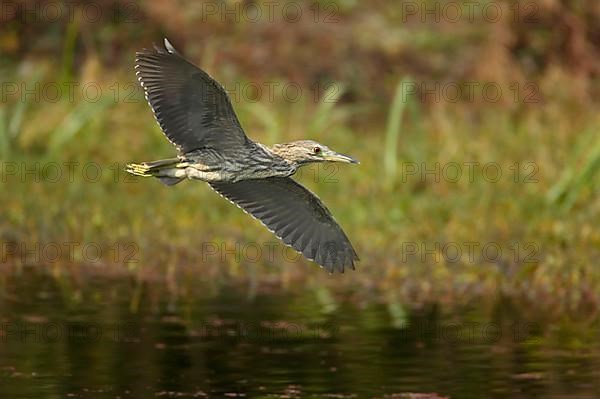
(254, 164)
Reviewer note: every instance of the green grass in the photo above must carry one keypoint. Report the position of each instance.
(394, 124)
(582, 174)
(549, 212)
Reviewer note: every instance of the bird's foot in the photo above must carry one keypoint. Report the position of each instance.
(138, 169)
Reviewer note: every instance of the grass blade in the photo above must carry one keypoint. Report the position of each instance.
(392, 133)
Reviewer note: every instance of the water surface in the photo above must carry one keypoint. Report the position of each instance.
(116, 338)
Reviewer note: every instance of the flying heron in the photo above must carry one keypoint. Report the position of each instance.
(195, 113)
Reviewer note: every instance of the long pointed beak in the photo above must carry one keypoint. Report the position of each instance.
(337, 157)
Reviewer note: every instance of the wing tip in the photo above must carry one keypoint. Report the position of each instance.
(156, 49)
(170, 48)
(336, 264)
(335, 255)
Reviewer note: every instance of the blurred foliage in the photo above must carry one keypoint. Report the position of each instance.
(366, 45)
(544, 136)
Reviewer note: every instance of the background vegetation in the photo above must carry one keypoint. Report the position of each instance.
(376, 80)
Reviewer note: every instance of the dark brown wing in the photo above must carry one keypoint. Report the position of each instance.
(192, 109)
(296, 216)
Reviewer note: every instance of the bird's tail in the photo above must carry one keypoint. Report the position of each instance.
(168, 171)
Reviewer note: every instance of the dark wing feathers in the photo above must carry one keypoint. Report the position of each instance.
(296, 216)
(192, 109)
(195, 112)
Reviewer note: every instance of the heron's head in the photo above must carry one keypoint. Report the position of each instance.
(308, 151)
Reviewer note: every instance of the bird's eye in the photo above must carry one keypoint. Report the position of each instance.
(317, 150)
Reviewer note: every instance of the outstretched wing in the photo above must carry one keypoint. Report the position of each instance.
(192, 108)
(296, 216)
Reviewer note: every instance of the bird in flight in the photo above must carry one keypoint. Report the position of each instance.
(195, 113)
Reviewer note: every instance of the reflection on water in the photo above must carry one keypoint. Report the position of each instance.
(58, 342)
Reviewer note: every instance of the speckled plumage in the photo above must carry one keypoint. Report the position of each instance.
(196, 115)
